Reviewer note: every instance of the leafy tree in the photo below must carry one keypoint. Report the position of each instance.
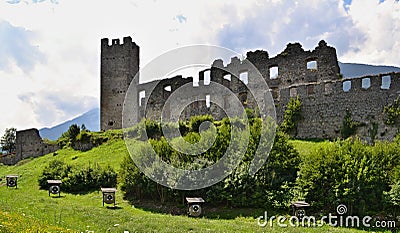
(70, 135)
(83, 128)
(8, 140)
(292, 116)
(270, 186)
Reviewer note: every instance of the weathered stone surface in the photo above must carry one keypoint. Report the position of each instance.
(119, 65)
(313, 75)
(28, 144)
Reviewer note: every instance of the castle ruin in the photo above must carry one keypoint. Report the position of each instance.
(314, 76)
(119, 65)
(28, 144)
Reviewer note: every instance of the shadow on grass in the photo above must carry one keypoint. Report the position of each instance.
(61, 196)
(208, 210)
(113, 207)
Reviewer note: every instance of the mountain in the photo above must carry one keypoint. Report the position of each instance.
(350, 70)
(91, 119)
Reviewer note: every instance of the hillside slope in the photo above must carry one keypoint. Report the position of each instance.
(27, 205)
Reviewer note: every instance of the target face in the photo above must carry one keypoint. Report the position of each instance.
(55, 189)
(109, 198)
(300, 213)
(195, 210)
(12, 183)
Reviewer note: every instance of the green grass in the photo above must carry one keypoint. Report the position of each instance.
(305, 147)
(28, 209)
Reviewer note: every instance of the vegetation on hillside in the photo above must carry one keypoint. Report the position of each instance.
(363, 177)
(76, 135)
(292, 116)
(28, 207)
(270, 186)
(78, 179)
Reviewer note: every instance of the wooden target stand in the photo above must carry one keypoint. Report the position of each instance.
(108, 195)
(195, 206)
(299, 209)
(12, 181)
(54, 187)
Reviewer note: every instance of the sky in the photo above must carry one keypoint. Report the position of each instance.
(50, 49)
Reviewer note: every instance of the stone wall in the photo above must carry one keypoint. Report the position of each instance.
(312, 75)
(28, 144)
(325, 105)
(119, 65)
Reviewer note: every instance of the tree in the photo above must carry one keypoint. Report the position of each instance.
(83, 128)
(292, 116)
(8, 140)
(72, 132)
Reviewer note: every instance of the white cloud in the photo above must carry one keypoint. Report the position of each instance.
(273, 24)
(379, 22)
(61, 62)
(16, 46)
(51, 107)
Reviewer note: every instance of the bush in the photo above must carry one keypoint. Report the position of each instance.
(74, 136)
(349, 172)
(292, 116)
(55, 170)
(349, 126)
(78, 179)
(393, 112)
(195, 122)
(270, 185)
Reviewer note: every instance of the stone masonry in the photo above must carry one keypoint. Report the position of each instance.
(119, 65)
(28, 144)
(314, 76)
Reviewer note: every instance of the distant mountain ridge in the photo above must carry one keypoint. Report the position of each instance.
(351, 70)
(91, 119)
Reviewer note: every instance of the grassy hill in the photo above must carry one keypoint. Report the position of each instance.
(28, 209)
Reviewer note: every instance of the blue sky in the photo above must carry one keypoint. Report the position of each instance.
(49, 49)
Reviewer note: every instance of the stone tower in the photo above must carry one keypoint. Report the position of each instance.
(119, 65)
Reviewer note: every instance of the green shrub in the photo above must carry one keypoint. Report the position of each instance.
(55, 170)
(393, 112)
(195, 122)
(270, 186)
(349, 172)
(292, 116)
(78, 179)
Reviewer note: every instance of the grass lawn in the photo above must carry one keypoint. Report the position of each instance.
(28, 209)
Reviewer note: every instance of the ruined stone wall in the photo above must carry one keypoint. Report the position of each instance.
(325, 105)
(119, 65)
(292, 70)
(28, 144)
(314, 76)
